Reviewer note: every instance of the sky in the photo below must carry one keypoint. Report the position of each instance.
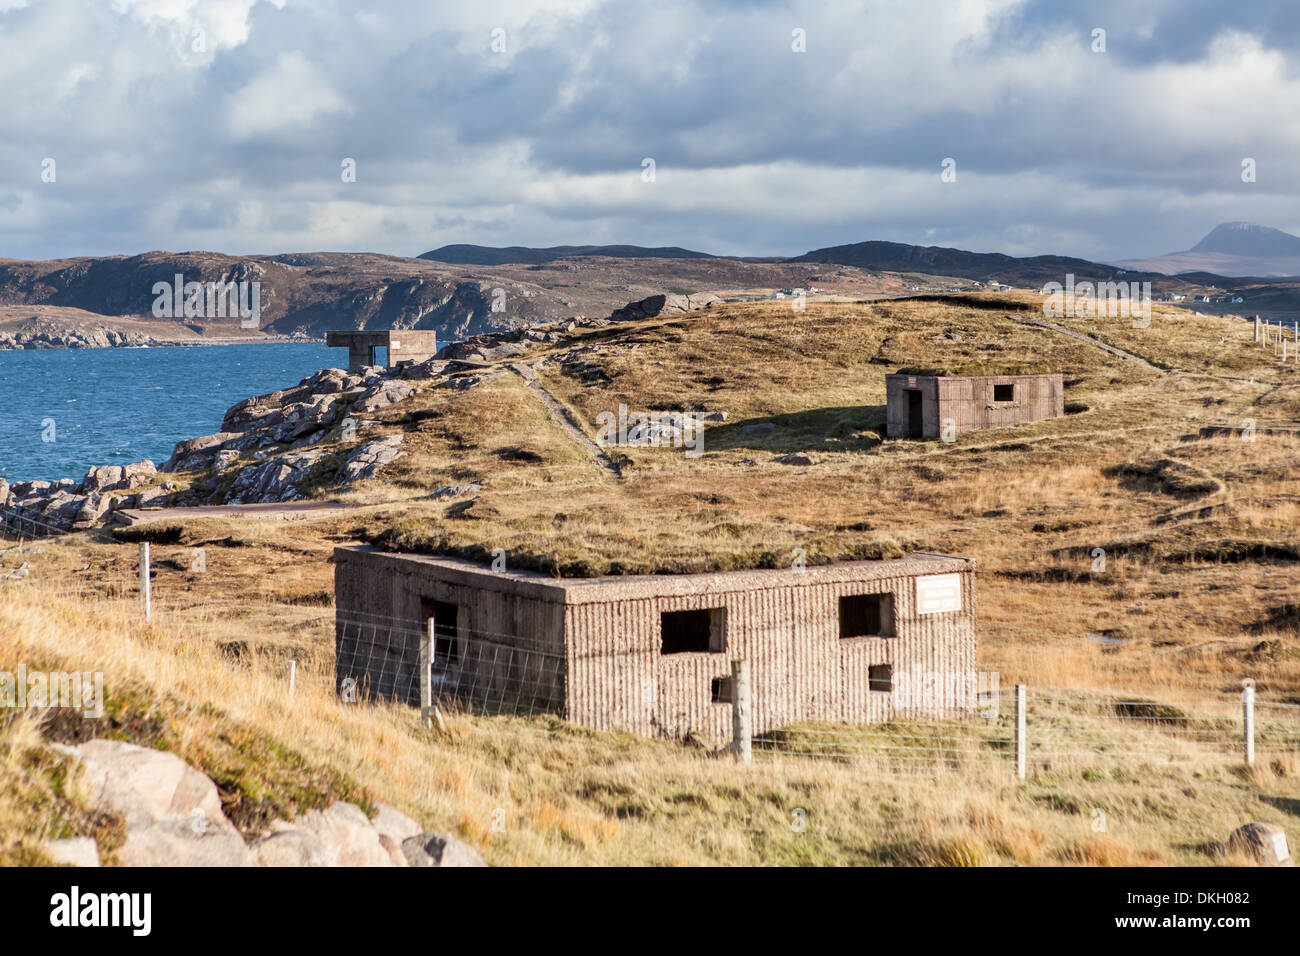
(738, 128)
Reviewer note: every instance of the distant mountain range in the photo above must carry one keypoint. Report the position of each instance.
(465, 255)
(1231, 249)
(875, 256)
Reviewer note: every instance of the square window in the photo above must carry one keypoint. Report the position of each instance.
(693, 632)
(866, 615)
(721, 690)
(1004, 393)
(880, 677)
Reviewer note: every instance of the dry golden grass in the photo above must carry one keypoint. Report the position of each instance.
(1198, 586)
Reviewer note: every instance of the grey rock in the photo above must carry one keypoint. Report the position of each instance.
(1265, 843)
(440, 849)
(794, 458)
(367, 460)
(455, 491)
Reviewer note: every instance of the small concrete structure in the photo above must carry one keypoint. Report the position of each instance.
(919, 406)
(404, 345)
(858, 642)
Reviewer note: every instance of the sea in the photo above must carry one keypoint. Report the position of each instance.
(63, 410)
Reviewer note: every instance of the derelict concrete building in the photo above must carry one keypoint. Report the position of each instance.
(918, 405)
(403, 345)
(855, 642)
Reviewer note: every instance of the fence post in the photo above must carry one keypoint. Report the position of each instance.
(146, 595)
(293, 675)
(1022, 742)
(742, 738)
(1248, 721)
(426, 675)
(430, 713)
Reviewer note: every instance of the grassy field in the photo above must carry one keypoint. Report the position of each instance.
(1198, 590)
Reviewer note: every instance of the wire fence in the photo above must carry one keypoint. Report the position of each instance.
(373, 658)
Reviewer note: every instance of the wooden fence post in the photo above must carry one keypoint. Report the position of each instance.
(1248, 721)
(146, 593)
(1022, 742)
(426, 675)
(1256, 328)
(742, 738)
(430, 712)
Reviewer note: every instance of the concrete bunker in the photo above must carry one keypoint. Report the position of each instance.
(402, 346)
(920, 405)
(858, 642)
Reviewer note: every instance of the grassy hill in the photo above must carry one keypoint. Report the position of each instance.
(1199, 591)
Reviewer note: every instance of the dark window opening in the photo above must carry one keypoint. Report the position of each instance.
(1004, 393)
(866, 615)
(686, 632)
(446, 645)
(880, 677)
(721, 691)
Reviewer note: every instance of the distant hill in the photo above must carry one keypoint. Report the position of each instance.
(468, 255)
(1232, 249)
(939, 260)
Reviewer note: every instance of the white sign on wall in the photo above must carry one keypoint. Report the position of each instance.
(936, 593)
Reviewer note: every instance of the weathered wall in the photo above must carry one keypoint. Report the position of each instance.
(591, 650)
(967, 400)
(512, 655)
(896, 388)
(800, 668)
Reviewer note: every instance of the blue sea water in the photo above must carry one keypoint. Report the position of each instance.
(63, 410)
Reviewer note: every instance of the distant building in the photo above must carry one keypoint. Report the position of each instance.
(918, 406)
(858, 642)
(403, 346)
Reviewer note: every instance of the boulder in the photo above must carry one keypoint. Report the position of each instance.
(172, 812)
(382, 395)
(439, 849)
(455, 491)
(276, 479)
(292, 846)
(365, 461)
(73, 851)
(1265, 843)
(794, 458)
(393, 823)
(346, 831)
(196, 453)
(664, 304)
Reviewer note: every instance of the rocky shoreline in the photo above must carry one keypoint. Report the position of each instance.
(108, 338)
(293, 443)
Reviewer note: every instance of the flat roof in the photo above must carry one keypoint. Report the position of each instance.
(626, 587)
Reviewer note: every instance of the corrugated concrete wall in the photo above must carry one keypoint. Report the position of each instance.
(800, 668)
(896, 414)
(592, 650)
(511, 651)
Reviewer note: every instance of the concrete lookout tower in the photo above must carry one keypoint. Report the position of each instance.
(403, 345)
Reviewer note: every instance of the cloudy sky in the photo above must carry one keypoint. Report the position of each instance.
(774, 127)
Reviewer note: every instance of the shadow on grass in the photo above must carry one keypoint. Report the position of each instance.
(850, 428)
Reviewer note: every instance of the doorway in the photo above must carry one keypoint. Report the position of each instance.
(915, 425)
